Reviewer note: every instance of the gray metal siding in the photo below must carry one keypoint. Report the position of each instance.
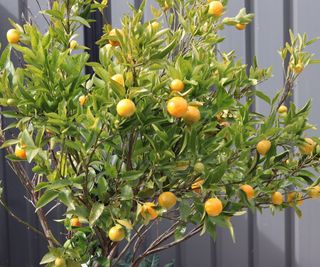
(262, 240)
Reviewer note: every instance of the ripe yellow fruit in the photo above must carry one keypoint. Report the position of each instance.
(314, 192)
(213, 207)
(148, 211)
(153, 27)
(308, 147)
(277, 198)
(177, 106)
(192, 115)
(263, 147)
(199, 167)
(116, 233)
(295, 197)
(196, 186)
(73, 44)
(215, 8)
(75, 222)
(60, 262)
(240, 26)
(282, 109)
(177, 85)
(113, 33)
(248, 189)
(167, 200)
(126, 108)
(297, 69)
(118, 78)
(20, 152)
(82, 100)
(13, 36)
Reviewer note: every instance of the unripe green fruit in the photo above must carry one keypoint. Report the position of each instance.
(199, 167)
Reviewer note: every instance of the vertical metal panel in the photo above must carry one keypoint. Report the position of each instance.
(270, 236)
(307, 233)
(235, 40)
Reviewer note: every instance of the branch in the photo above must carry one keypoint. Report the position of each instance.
(20, 220)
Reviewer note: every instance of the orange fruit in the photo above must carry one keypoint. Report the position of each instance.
(263, 147)
(177, 106)
(60, 262)
(20, 152)
(192, 115)
(116, 233)
(148, 211)
(215, 8)
(167, 200)
(295, 197)
(282, 109)
(196, 186)
(240, 26)
(82, 100)
(126, 108)
(177, 85)
(225, 124)
(314, 192)
(277, 198)
(118, 78)
(13, 36)
(308, 147)
(248, 189)
(73, 44)
(75, 222)
(213, 207)
(113, 33)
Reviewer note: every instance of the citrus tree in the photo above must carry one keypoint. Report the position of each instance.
(164, 129)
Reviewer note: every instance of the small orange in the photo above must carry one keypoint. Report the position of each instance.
(13, 36)
(282, 109)
(126, 108)
(192, 115)
(116, 233)
(225, 124)
(60, 262)
(177, 106)
(177, 85)
(213, 207)
(240, 26)
(82, 100)
(20, 152)
(113, 33)
(73, 44)
(148, 211)
(277, 198)
(75, 222)
(196, 186)
(308, 147)
(248, 189)
(314, 192)
(167, 200)
(118, 78)
(263, 147)
(215, 8)
(295, 197)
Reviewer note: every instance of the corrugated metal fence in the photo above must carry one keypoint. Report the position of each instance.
(262, 240)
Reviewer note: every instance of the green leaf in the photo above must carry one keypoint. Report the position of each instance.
(49, 257)
(95, 213)
(46, 198)
(132, 175)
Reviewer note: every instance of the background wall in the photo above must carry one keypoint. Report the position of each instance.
(262, 240)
